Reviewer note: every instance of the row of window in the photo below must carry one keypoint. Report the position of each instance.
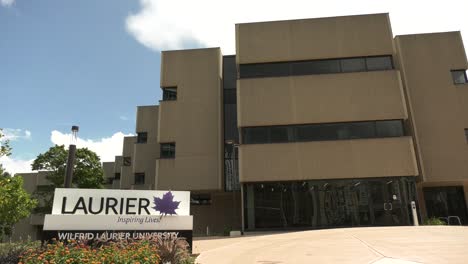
(167, 151)
(278, 69)
(322, 132)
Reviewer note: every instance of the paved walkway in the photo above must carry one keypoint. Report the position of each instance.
(378, 245)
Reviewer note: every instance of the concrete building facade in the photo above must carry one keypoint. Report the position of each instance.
(313, 123)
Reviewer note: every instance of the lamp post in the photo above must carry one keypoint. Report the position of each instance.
(71, 157)
(235, 176)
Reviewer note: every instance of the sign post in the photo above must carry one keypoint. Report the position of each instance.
(109, 215)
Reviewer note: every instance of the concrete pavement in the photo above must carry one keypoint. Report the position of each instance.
(378, 245)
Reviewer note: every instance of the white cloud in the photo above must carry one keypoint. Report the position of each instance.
(123, 118)
(7, 2)
(13, 165)
(105, 148)
(171, 24)
(14, 134)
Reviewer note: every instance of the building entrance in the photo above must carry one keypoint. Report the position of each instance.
(329, 203)
(444, 202)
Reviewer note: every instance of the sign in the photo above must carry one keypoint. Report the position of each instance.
(120, 202)
(104, 215)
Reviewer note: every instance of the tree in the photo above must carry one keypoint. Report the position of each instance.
(87, 172)
(5, 150)
(15, 203)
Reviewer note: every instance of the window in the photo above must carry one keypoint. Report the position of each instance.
(169, 93)
(466, 134)
(264, 70)
(380, 63)
(167, 150)
(353, 65)
(200, 199)
(139, 178)
(323, 132)
(117, 176)
(142, 137)
(279, 134)
(360, 130)
(390, 128)
(459, 77)
(315, 67)
(127, 161)
(255, 134)
(291, 68)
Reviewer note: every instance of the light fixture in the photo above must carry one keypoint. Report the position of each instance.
(71, 157)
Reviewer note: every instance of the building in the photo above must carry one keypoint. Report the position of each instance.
(313, 123)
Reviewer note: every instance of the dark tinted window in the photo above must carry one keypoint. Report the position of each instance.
(264, 70)
(353, 65)
(322, 132)
(361, 130)
(459, 77)
(279, 134)
(169, 93)
(278, 69)
(326, 132)
(139, 178)
(379, 63)
(117, 176)
(256, 135)
(167, 150)
(315, 67)
(142, 137)
(390, 128)
(127, 161)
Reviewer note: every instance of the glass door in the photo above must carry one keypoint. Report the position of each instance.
(388, 204)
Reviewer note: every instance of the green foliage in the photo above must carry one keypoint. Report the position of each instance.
(141, 251)
(227, 231)
(15, 203)
(5, 149)
(10, 252)
(434, 221)
(87, 172)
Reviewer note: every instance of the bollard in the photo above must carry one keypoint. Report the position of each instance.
(415, 213)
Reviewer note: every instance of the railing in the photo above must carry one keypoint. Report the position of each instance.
(447, 219)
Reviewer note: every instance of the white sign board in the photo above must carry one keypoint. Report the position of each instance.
(103, 214)
(120, 202)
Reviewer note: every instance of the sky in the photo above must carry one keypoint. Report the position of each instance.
(90, 63)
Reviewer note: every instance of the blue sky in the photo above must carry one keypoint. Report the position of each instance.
(91, 62)
(72, 62)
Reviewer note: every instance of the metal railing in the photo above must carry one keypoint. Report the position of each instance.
(447, 219)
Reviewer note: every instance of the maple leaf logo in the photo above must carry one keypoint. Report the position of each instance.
(166, 205)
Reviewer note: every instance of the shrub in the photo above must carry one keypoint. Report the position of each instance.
(434, 221)
(173, 250)
(80, 252)
(10, 252)
(156, 250)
